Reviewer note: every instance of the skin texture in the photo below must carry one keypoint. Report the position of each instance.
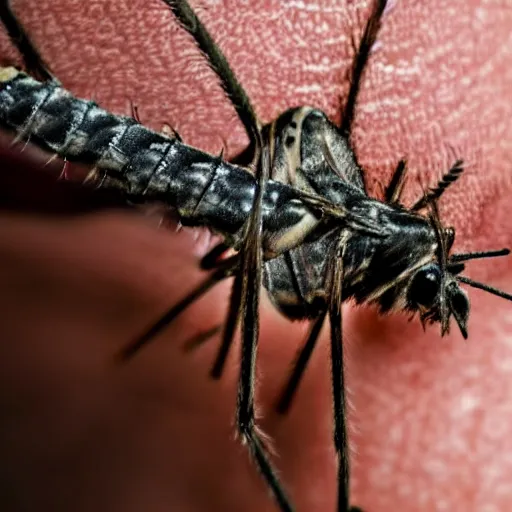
(430, 418)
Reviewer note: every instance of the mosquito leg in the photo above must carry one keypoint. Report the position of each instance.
(360, 61)
(211, 260)
(251, 272)
(230, 326)
(216, 60)
(32, 59)
(298, 370)
(338, 381)
(225, 271)
(395, 187)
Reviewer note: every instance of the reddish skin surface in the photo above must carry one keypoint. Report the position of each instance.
(431, 418)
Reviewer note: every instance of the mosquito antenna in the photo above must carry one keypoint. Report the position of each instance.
(484, 287)
(435, 193)
(456, 258)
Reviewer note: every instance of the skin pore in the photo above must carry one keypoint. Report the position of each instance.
(430, 418)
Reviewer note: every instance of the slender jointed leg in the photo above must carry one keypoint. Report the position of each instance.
(369, 36)
(225, 270)
(338, 379)
(302, 360)
(217, 61)
(246, 113)
(251, 272)
(228, 333)
(34, 62)
(211, 260)
(393, 191)
(247, 286)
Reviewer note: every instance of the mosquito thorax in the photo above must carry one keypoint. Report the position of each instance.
(308, 152)
(304, 147)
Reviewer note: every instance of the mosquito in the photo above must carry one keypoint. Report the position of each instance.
(308, 231)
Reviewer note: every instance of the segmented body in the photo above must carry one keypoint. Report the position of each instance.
(147, 166)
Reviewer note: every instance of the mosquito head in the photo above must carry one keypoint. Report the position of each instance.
(434, 289)
(437, 295)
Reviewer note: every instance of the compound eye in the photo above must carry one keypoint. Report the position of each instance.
(425, 286)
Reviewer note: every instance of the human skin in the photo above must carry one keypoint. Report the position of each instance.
(430, 418)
